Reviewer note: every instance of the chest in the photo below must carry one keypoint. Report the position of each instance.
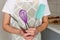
(31, 8)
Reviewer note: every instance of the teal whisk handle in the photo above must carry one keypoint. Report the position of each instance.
(40, 11)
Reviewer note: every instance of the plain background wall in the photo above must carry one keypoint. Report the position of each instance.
(1, 31)
(3, 35)
(54, 7)
(55, 10)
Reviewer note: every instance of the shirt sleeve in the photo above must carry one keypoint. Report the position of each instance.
(47, 10)
(8, 7)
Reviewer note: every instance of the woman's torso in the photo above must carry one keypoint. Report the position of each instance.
(30, 6)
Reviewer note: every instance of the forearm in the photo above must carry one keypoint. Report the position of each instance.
(42, 27)
(11, 29)
(6, 24)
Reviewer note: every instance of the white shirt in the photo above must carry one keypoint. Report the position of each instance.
(9, 8)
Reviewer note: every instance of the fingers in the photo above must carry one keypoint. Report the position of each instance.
(31, 31)
(25, 35)
(29, 38)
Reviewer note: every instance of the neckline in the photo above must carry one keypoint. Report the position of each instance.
(24, 0)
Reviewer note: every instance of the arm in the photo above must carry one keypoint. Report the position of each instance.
(44, 24)
(6, 25)
(40, 28)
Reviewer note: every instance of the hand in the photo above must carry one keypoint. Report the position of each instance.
(29, 38)
(32, 32)
(25, 35)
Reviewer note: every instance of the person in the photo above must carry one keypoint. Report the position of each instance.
(12, 7)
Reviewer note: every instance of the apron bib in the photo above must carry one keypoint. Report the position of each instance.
(31, 8)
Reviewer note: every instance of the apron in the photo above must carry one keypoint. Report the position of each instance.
(31, 8)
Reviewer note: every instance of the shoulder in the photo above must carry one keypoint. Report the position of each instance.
(43, 1)
(10, 1)
(9, 6)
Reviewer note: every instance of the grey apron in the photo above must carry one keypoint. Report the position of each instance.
(31, 8)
